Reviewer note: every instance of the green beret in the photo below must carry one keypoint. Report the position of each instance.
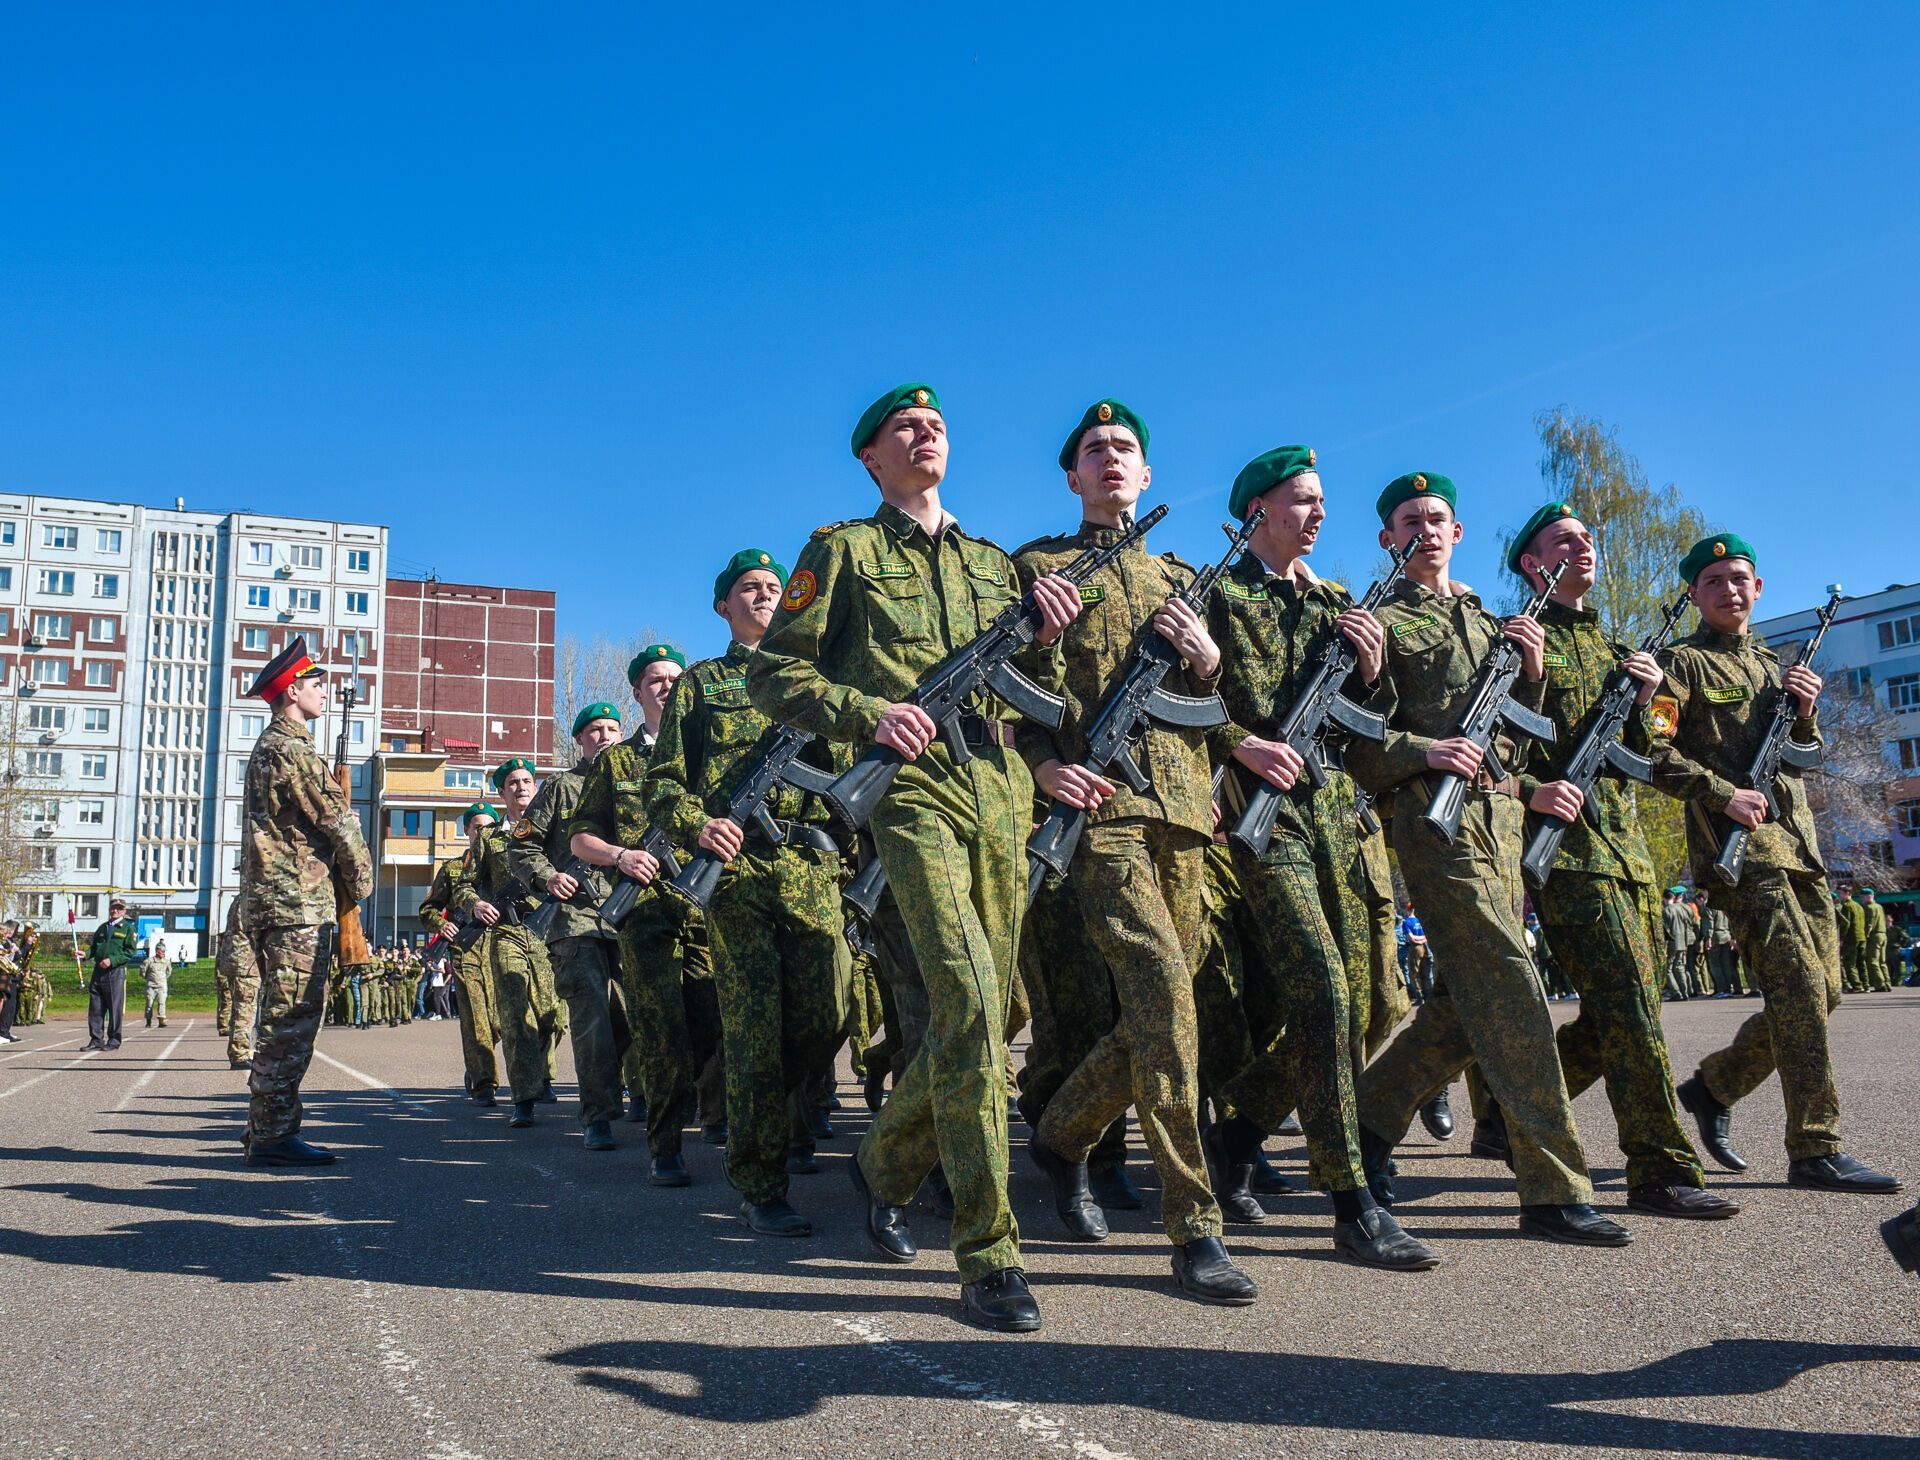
(1552, 512)
(899, 398)
(1264, 473)
(653, 654)
(1678, 891)
(1414, 484)
(1102, 413)
(745, 561)
(507, 768)
(1711, 550)
(599, 711)
(479, 808)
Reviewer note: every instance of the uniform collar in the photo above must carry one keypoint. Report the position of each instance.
(1408, 591)
(737, 653)
(1714, 639)
(904, 525)
(1098, 534)
(1559, 613)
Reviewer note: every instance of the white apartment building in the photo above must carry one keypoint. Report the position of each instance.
(127, 638)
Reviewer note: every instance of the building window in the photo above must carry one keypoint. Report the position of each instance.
(92, 813)
(40, 859)
(102, 631)
(50, 671)
(65, 538)
(89, 904)
(58, 584)
(1906, 817)
(359, 560)
(251, 726)
(53, 625)
(1897, 633)
(254, 641)
(357, 603)
(106, 585)
(304, 555)
(98, 719)
(1910, 753)
(108, 539)
(99, 674)
(259, 596)
(86, 859)
(1903, 692)
(1859, 683)
(306, 600)
(403, 823)
(41, 904)
(356, 732)
(93, 767)
(6, 578)
(465, 778)
(41, 812)
(6, 619)
(7, 530)
(46, 717)
(354, 644)
(260, 554)
(44, 762)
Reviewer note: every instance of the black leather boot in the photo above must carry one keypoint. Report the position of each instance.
(1072, 1199)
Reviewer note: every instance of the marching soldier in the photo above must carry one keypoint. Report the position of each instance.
(1721, 687)
(302, 859)
(477, 1025)
(872, 605)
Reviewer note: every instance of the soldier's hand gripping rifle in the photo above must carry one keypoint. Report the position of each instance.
(1777, 748)
(1318, 707)
(621, 900)
(539, 922)
(748, 808)
(1492, 706)
(1134, 699)
(1599, 748)
(982, 666)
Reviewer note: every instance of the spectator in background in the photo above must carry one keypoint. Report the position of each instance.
(1419, 957)
(156, 971)
(114, 947)
(1677, 925)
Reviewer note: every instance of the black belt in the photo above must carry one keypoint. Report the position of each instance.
(797, 834)
(978, 731)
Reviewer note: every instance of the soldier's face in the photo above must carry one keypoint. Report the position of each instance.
(478, 828)
(1432, 521)
(309, 696)
(1295, 510)
(1111, 470)
(1725, 593)
(653, 686)
(598, 735)
(1566, 541)
(517, 790)
(749, 604)
(909, 451)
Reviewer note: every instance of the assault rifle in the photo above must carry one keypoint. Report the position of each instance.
(1777, 748)
(1492, 706)
(985, 664)
(621, 900)
(1599, 748)
(1134, 699)
(748, 808)
(539, 922)
(1318, 707)
(350, 939)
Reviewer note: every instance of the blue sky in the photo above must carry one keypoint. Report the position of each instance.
(587, 297)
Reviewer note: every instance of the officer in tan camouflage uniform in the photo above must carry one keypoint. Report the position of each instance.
(1721, 689)
(302, 859)
(873, 605)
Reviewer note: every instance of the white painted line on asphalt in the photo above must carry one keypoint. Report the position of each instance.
(1040, 1428)
(146, 1079)
(49, 1074)
(368, 1080)
(37, 1049)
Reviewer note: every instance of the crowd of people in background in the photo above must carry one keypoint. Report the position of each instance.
(401, 984)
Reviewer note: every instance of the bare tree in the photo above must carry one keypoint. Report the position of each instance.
(28, 807)
(587, 671)
(1849, 791)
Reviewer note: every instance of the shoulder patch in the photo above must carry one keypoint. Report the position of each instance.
(1663, 715)
(1413, 625)
(830, 529)
(1725, 694)
(801, 588)
(522, 829)
(1234, 588)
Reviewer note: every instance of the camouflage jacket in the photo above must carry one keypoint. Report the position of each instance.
(1876, 933)
(494, 881)
(872, 606)
(610, 805)
(1707, 721)
(446, 886)
(539, 848)
(710, 736)
(1852, 921)
(302, 855)
(1270, 631)
(1435, 647)
(1115, 607)
(1580, 661)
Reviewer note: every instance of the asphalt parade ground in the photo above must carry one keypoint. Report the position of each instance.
(453, 1288)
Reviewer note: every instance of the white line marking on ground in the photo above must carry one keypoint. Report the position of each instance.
(368, 1080)
(49, 1074)
(1041, 1428)
(146, 1079)
(25, 1054)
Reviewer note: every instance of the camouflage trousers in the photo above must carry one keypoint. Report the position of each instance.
(523, 998)
(1390, 1002)
(1785, 925)
(781, 965)
(951, 838)
(237, 970)
(586, 976)
(1598, 929)
(1138, 885)
(157, 996)
(1494, 1010)
(293, 965)
(478, 1026)
(1071, 1005)
(903, 993)
(864, 1010)
(676, 1061)
(1236, 995)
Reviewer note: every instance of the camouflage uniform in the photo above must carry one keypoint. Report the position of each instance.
(477, 1023)
(1875, 946)
(236, 966)
(1137, 879)
(301, 857)
(580, 946)
(872, 605)
(780, 957)
(1851, 920)
(522, 980)
(676, 1059)
(1594, 912)
(1469, 898)
(1390, 1002)
(1707, 721)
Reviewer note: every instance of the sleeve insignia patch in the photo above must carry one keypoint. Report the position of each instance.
(1725, 694)
(1663, 715)
(801, 589)
(522, 829)
(1413, 625)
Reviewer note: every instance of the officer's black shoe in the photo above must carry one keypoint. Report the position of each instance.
(1575, 1223)
(522, 1113)
(1714, 1120)
(833, 1100)
(149, 1021)
(1376, 1161)
(886, 1225)
(599, 1136)
(714, 1135)
(1680, 1201)
(1902, 1234)
(96, 1044)
(874, 1089)
(1232, 1175)
(800, 1161)
(1072, 1200)
(1001, 1300)
(485, 1099)
(1375, 1239)
(775, 1219)
(669, 1171)
(1204, 1271)
(940, 1193)
(818, 1126)
(1267, 1180)
(1490, 1141)
(547, 1097)
(1840, 1173)
(113, 1044)
(1437, 1116)
(1114, 1190)
(289, 1152)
